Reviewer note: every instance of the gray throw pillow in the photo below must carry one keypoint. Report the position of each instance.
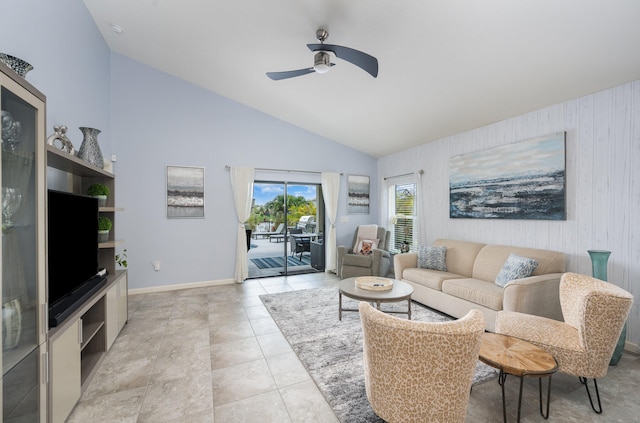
(433, 258)
(515, 267)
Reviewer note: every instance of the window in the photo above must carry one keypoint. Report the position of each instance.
(402, 214)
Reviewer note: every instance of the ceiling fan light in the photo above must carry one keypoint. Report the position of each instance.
(321, 62)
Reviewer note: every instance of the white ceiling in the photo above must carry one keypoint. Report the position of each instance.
(446, 66)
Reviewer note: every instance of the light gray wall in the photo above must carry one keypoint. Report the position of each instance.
(159, 120)
(70, 60)
(603, 185)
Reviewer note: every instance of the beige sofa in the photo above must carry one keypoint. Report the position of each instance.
(469, 281)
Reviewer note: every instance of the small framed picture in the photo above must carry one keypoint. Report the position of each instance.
(357, 194)
(185, 192)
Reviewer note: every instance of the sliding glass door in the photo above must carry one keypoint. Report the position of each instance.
(287, 229)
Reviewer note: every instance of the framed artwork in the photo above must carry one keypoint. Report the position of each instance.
(357, 194)
(185, 192)
(524, 180)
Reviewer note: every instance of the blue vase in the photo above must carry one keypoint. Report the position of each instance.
(599, 259)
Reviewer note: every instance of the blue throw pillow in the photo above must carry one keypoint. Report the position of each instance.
(433, 258)
(515, 267)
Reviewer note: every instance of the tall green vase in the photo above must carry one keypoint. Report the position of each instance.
(599, 259)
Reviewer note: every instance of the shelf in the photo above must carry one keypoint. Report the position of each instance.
(88, 365)
(111, 244)
(110, 209)
(66, 162)
(89, 331)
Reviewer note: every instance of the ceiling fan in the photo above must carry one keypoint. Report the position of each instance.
(322, 59)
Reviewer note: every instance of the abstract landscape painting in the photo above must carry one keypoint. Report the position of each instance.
(357, 194)
(524, 180)
(185, 191)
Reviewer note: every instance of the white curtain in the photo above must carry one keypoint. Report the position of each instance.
(421, 207)
(242, 186)
(330, 192)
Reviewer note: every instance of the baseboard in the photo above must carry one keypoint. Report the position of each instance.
(176, 287)
(631, 347)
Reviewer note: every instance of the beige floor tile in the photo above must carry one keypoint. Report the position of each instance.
(241, 381)
(171, 397)
(306, 404)
(273, 344)
(180, 358)
(256, 312)
(117, 407)
(263, 408)
(287, 369)
(230, 331)
(230, 353)
(264, 326)
(117, 375)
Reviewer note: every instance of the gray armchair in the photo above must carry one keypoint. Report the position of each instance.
(375, 264)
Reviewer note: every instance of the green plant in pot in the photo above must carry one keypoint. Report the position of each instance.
(104, 226)
(101, 192)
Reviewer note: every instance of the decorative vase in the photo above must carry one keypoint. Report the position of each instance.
(599, 260)
(11, 324)
(90, 149)
(16, 64)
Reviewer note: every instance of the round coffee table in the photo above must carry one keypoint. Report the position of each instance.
(401, 291)
(520, 358)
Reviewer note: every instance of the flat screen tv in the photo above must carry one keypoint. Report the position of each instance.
(72, 253)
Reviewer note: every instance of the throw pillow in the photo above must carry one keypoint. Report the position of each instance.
(515, 267)
(432, 258)
(366, 246)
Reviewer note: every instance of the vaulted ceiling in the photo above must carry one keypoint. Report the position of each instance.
(445, 66)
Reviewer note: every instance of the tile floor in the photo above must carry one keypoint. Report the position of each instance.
(215, 355)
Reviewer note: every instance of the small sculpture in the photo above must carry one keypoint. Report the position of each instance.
(64, 142)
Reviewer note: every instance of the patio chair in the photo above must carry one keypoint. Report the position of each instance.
(277, 232)
(297, 245)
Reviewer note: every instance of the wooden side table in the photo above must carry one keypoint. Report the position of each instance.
(520, 358)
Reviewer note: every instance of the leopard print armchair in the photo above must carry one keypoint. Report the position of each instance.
(419, 371)
(594, 314)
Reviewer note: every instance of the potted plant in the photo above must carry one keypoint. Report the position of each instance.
(100, 191)
(121, 259)
(104, 226)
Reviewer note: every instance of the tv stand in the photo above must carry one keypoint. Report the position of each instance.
(83, 335)
(63, 308)
(78, 345)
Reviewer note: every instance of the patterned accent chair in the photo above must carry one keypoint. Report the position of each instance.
(378, 263)
(419, 371)
(594, 313)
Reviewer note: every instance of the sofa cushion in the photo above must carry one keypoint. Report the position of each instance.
(491, 258)
(430, 278)
(432, 257)
(477, 291)
(515, 267)
(461, 255)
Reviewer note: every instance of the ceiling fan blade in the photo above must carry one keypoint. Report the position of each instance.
(363, 60)
(276, 76)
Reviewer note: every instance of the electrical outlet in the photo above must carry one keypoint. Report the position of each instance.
(156, 265)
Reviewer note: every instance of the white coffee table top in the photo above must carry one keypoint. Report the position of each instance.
(400, 291)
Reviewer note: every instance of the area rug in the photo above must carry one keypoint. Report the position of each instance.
(331, 350)
(271, 262)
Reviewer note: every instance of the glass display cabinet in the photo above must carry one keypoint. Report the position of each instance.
(23, 317)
